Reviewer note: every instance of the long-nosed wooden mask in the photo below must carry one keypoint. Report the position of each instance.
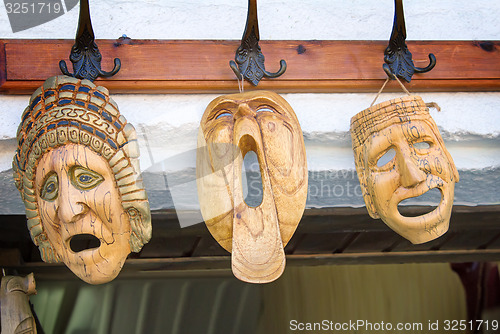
(233, 125)
(77, 170)
(420, 163)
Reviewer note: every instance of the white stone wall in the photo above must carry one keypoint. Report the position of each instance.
(278, 19)
(167, 124)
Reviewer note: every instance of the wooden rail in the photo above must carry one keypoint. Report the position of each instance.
(201, 66)
(324, 236)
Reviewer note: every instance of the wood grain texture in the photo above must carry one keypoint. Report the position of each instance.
(418, 163)
(79, 201)
(77, 170)
(3, 68)
(201, 66)
(16, 316)
(232, 126)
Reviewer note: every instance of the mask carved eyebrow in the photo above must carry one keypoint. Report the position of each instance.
(264, 104)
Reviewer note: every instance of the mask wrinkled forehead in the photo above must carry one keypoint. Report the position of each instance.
(255, 100)
(398, 111)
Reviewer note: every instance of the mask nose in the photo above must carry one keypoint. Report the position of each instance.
(411, 174)
(257, 249)
(244, 111)
(70, 204)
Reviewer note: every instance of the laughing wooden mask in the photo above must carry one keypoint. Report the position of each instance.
(77, 170)
(421, 163)
(232, 126)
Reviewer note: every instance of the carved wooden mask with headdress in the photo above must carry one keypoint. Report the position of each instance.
(77, 170)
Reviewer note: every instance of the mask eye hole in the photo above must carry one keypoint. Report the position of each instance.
(224, 113)
(252, 188)
(387, 157)
(85, 179)
(50, 188)
(422, 145)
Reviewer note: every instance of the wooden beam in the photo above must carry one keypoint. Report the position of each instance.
(201, 66)
(220, 265)
(324, 236)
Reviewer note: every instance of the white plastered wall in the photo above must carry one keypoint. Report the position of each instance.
(167, 124)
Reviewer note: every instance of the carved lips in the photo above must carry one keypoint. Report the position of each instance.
(232, 126)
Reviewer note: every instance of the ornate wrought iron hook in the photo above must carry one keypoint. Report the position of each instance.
(397, 57)
(249, 58)
(85, 54)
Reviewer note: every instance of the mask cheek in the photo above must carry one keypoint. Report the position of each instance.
(47, 213)
(441, 167)
(280, 156)
(214, 178)
(220, 145)
(381, 188)
(50, 223)
(285, 156)
(223, 136)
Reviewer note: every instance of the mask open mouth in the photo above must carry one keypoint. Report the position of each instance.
(251, 180)
(425, 203)
(83, 242)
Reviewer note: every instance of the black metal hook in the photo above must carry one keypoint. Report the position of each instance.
(85, 54)
(397, 57)
(249, 58)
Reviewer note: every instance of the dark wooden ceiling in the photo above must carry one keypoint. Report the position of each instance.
(324, 236)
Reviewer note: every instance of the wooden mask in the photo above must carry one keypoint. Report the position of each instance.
(421, 163)
(16, 316)
(77, 170)
(233, 125)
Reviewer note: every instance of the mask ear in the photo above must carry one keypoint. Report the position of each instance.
(361, 169)
(140, 223)
(47, 251)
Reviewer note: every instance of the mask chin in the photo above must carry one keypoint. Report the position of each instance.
(424, 223)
